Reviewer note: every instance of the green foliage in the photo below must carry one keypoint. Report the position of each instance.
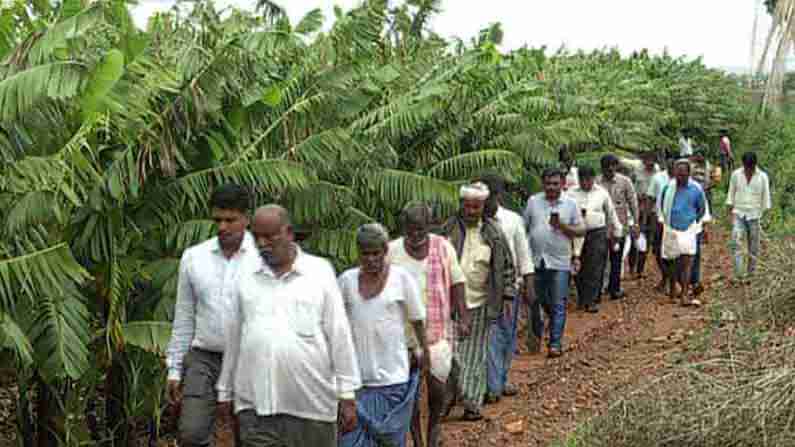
(113, 139)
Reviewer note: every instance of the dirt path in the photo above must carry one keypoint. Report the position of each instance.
(605, 353)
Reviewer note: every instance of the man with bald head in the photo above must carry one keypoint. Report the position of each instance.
(289, 367)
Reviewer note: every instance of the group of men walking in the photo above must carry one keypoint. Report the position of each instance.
(268, 333)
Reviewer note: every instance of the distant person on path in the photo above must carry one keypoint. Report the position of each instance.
(653, 193)
(379, 298)
(208, 275)
(726, 154)
(503, 336)
(601, 220)
(683, 205)
(488, 266)
(701, 174)
(570, 176)
(685, 146)
(748, 199)
(433, 263)
(553, 221)
(646, 220)
(625, 200)
(289, 369)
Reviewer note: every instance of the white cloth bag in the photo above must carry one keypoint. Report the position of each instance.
(679, 243)
(441, 360)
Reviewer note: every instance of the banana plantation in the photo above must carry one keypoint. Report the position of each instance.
(113, 137)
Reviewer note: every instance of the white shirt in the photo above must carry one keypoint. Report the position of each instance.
(207, 281)
(377, 325)
(599, 213)
(289, 348)
(418, 268)
(749, 199)
(572, 179)
(685, 147)
(513, 227)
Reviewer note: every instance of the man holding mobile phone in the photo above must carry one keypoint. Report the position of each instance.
(553, 221)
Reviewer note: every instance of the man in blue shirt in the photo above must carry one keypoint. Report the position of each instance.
(553, 221)
(682, 204)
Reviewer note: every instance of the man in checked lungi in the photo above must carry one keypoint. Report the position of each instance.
(487, 262)
(433, 263)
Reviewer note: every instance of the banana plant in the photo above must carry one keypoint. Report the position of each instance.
(113, 138)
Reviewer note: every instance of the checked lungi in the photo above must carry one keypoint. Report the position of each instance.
(384, 415)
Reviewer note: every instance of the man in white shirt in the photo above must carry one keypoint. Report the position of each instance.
(591, 251)
(570, 173)
(208, 275)
(748, 199)
(502, 342)
(289, 365)
(433, 263)
(647, 224)
(685, 146)
(379, 297)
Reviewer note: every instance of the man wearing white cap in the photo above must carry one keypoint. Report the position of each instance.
(488, 266)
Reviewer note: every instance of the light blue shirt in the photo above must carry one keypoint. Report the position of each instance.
(551, 247)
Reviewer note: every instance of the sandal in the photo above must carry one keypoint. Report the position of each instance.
(472, 416)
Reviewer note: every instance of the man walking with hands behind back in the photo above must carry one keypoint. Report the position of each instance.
(208, 275)
(748, 199)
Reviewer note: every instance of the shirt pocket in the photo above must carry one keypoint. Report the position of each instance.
(305, 316)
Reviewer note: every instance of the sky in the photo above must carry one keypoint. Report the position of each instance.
(718, 30)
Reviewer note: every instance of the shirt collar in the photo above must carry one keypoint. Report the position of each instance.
(299, 265)
(246, 245)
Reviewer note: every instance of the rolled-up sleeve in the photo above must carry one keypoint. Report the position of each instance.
(337, 331)
(232, 331)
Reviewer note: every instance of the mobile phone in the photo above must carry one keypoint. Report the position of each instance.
(554, 218)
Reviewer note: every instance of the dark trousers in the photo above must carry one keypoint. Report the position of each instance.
(695, 272)
(593, 261)
(616, 258)
(283, 430)
(197, 418)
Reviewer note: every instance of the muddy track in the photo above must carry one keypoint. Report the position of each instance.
(605, 354)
